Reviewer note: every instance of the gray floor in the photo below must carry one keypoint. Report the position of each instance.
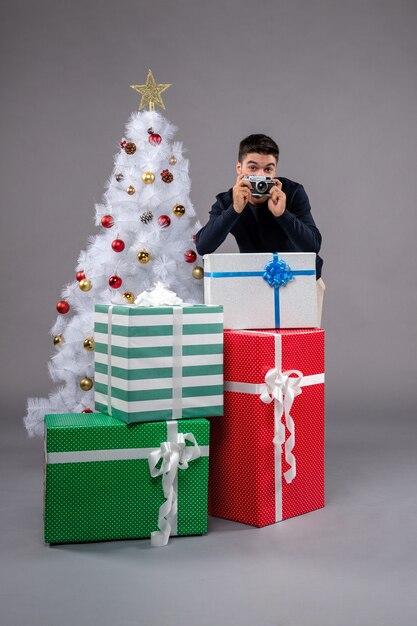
(352, 563)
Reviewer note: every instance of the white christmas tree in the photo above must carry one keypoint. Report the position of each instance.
(146, 235)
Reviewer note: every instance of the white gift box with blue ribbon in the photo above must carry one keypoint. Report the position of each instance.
(263, 290)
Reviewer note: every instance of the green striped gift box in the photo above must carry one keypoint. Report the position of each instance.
(158, 363)
(98, 484)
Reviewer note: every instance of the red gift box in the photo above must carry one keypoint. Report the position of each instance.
(267, 454)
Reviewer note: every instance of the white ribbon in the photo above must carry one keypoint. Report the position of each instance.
(177, 382)
(109, 360)
(159, 295)
(280, 388)
(173, 455)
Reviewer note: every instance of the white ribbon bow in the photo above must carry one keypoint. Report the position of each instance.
(159, 295)
(282, 389)
(174, 455)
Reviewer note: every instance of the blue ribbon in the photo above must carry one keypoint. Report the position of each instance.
(276, 273)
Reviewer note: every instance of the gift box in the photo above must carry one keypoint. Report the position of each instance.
(107, 480)
(267, 453)
(265, 290)
(158, 363)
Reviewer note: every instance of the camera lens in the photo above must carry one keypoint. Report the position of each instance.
(262, 186)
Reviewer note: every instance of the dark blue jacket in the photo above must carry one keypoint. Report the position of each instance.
(257, 230)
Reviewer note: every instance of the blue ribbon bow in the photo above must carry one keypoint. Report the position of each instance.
(278, 273)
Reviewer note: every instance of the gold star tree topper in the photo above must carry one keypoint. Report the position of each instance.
(151, 93)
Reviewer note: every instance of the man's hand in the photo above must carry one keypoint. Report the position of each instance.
(241, 193)
(277, 199)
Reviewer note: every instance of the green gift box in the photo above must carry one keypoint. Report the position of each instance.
(108, 480)
(158, 363)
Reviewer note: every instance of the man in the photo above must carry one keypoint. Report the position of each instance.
(279, 222)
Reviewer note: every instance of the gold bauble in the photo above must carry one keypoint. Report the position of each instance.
(172, 160)
(86, 383)
(89, 343)
(85, 284)
(131, 190)
(178, 210)
(58, 339)
(129, 296)
(143, 256)
(148, 178)
(198, 272)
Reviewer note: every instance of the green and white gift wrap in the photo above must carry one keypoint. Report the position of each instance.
(158, 363)
(106, 480)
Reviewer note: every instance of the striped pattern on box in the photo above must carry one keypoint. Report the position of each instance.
(158, 363)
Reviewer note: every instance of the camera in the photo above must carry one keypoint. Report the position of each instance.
(260, 185)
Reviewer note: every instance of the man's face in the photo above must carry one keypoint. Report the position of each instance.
(255, 164)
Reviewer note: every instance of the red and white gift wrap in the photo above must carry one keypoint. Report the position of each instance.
(267, 454)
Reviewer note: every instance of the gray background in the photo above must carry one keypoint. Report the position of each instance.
(335, 84)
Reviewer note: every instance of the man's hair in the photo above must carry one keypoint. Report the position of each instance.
(262, 144)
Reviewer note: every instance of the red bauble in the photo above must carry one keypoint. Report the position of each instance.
(107, 221)
(115, 281)
(80, 275)
(190, 256)
(194, 237)
(87, 411)
(155, 139)
(62, 307)
(164, 221)
(118, 245)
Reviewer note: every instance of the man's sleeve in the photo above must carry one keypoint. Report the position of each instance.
(221, 222)
(298, 224)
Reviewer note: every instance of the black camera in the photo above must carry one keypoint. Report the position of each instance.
(261, 185)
